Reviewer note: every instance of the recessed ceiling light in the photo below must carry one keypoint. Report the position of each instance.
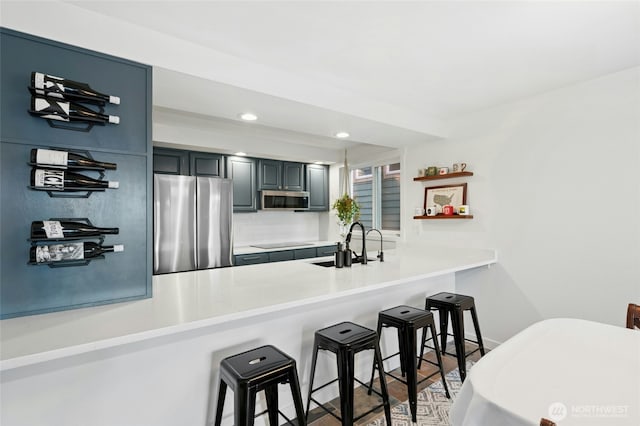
(342, 135)
(240, 154)
(318, 162)
(247, 116)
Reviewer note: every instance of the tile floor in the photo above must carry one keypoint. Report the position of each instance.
(397, 390)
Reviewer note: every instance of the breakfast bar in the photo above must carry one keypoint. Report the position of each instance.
(164, 348)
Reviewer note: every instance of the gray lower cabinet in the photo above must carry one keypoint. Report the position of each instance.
(279, 256)
(325, 251)
(251, 259)
(318, 187)
(305, 253)
(243, 172)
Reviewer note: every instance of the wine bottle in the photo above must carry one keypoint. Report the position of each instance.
(61, 180)
(53, 109)
(70, 251)
(54, 229)
(62, 88)
(66, 159)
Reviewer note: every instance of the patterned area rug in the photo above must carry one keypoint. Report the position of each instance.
(433, 405)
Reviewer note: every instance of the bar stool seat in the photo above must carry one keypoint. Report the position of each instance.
(455, 304)
(345, 340)
(408, 320)
(250, 372)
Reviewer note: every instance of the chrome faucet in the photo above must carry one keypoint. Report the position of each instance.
(363, 257)
(380, 252)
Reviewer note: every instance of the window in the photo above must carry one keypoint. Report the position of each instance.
(377, 191)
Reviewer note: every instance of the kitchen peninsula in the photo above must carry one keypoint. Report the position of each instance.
(172, 343)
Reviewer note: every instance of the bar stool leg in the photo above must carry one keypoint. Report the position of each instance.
(409, 350)
(444, 327)
(373, 367)
(346, 382)
(383, 383)
(438, 356)
(222, 392)
(424, 340)
(457, 320)
(314, 360)
(294, 383)
(476, 326)
(271, 393)
(403, 355)
(244, 406)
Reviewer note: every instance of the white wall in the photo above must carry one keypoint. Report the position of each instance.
(556, 190)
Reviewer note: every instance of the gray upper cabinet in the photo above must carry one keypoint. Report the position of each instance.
(318, 187)
(206, 164)
(281, 175)
(243, 172)
(170, 161)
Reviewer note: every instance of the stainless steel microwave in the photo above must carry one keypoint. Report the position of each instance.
(285, 200)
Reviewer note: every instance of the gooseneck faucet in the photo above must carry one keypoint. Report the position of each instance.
(363, 257)
(380, 253)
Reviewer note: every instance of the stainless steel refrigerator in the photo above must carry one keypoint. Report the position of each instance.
(192, 223)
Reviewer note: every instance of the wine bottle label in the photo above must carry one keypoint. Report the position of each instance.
(114, 119)
(118, 247)
(114, 100)
(114, 184)
(45, 178)
(56, 158)
(52, 228)
(59, 252)
(55, 110)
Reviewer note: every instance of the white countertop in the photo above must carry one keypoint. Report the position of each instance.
(191, 300)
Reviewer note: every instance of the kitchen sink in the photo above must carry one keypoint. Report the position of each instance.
(331, 263)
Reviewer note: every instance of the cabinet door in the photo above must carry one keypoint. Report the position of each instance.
(243, 172)
(293, 176)
(270, 176)
(305, 253)
(170, 161)
(251, 259)
(326, 251)
(206, 164)
(318, 187)
(279, 256)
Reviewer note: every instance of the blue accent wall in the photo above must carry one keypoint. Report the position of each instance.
(28, 289)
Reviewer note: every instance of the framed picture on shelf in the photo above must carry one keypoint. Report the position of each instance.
(455, 195)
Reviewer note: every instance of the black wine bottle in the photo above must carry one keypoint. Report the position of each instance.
(62, 180)
(62, 88)
(53, 109)
(66, 159)
(54, 229)
(70, 251)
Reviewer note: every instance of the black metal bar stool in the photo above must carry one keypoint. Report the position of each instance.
(250, 372)
(455, 305)
(345, 340)
(408, 320)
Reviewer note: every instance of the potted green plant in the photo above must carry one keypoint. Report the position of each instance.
(348, 211)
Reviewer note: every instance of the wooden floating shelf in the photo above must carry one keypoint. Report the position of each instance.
(447, 176)
(442, 216)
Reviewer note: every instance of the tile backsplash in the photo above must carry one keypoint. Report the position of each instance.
(277, 227)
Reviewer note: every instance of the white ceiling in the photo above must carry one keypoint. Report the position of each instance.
(431, 59)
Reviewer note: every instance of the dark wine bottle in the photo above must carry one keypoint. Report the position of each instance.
(49, 157)
(70, 251)
(53, 109)
(62, 88)
(54, 229)
(62, 180)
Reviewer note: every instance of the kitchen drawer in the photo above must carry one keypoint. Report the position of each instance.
(305, 253)
(251, 259)
(279, 256)
(325, 251)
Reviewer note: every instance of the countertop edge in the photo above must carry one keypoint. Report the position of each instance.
(31, 359)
